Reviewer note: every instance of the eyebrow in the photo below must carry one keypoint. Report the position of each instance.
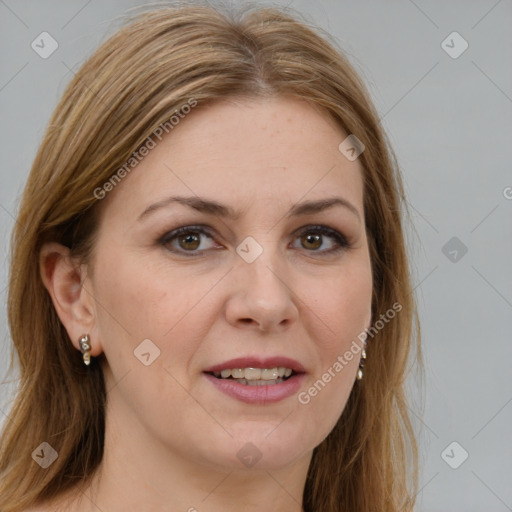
(220, 210)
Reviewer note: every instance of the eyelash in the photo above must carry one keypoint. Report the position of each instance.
(339, 239)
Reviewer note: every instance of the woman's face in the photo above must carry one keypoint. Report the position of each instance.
(270, 269)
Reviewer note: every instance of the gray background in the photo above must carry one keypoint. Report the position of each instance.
(450, 122)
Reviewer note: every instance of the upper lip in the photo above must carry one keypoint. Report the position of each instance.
(258, 362)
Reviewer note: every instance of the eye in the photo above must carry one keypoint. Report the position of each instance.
(188, 239)
(322, 239)
(194, 240)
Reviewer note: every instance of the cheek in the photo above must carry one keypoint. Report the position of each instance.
(145, 299)
(339, 311)
(342, 305)
(138, 301)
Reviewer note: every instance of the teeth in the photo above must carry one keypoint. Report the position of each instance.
(255, 376)
(263, 382)
(271, 374)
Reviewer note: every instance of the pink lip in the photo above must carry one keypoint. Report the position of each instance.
(258, 394)
(254, 362)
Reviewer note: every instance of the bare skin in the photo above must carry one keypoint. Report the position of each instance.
(173, 439)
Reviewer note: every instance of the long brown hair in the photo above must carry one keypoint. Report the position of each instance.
(131, 85)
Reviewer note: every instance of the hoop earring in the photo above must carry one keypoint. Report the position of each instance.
(361, 364)
(85, 347)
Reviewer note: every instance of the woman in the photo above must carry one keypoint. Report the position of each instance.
(209, 294)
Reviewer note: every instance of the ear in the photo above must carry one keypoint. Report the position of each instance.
(64, 278)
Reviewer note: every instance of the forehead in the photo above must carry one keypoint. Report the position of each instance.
(264, 150)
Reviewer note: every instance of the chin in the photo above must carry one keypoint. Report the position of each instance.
(261, 448)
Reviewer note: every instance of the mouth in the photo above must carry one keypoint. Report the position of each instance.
(255, 376)
(255, 380)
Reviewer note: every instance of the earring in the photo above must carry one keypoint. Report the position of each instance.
(361, 363)
(85, 347)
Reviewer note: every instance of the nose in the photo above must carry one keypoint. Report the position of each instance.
(262, 297)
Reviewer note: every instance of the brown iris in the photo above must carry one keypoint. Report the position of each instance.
(189, 241)
(311, 241)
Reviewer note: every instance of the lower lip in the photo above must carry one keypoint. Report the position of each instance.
(258, 394)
